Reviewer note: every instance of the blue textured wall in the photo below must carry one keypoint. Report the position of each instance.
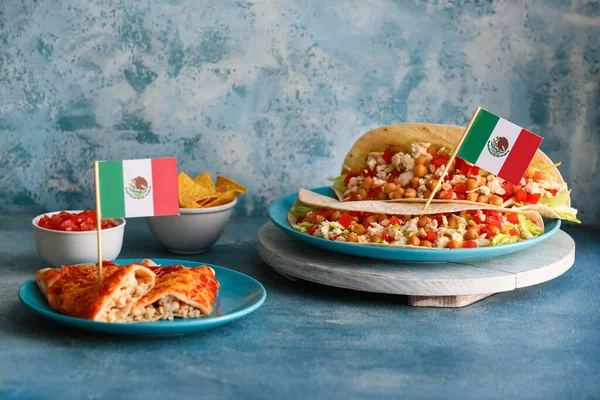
(273, 93)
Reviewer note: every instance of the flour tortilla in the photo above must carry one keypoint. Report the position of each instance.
(313, 199)
(393, 137)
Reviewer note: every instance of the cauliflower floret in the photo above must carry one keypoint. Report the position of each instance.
(410, 226)
(407, 162)
(375, 229)
(378, 182)
(420, 149)
(485, 190)
(495, 185)
(439, 171)
(442, 241)
(371, 162)
(447, 186)
(458, 178)
(457, 236)
(405, 177)
(482, 242)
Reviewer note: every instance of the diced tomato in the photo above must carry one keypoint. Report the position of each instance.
(460, 187)
(485, 230)
(348, 177)
(440, 159)
(447, 177)
(465, 168)
(520, 196)
(533, 198)
(335, 237)
(353, 197)
(369, 172)
(311, 231)
(326, 212)
(394, 220)
(432, 236)
(493, 220)
(552, 191)
(539, 175)
(374, 194)
(438, 218)
(83, 221)
(477, 219)
(513, 218)
(472, 213)
(393, 176)
(386, 236)
(469, 244)
(451, 195)
(508, 187)
(513, 232)
(492, 213)
(461, 196)
(300, 220)
(387, 156)
(346, 220)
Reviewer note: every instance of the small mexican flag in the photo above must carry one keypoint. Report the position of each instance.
(138, 188)
(499, 146)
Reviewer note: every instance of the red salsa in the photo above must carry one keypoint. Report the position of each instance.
(83, 221)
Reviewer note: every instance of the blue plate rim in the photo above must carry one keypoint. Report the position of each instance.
(397, 250)
(178, 322)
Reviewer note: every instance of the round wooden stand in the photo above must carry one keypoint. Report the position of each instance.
(435, 284)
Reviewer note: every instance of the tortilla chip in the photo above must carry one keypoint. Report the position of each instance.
(204, 180)
(224, 185)
(224, 198)
(189, 191)
(202, 203)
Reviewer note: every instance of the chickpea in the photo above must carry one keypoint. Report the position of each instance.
(358, 229)
(482, 199)
(496, 200)
(453, 221)
(427, 193)
(430, 183)
(483, 180)
(413, 240)
(421, 160)
(494, 230)
(471, 234)
(398, 193)
(381, 217)
(414, 182)
(442, 194)
(471, 184)
(362, 193)
(426, 243)
(376, 238)
(352, 237)
(453, 244)
(423, 221)
(503, 229)
(336, 215)
(432, 150)
(356, 170)
(420, 170)
(370, 219)
(367, 183)
(319, 218)
(389, 187)
(406, 218)
(381, 196)
(472, 196)
(410, 193)
(529, 172)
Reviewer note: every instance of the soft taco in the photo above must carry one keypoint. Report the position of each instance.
(403, 163)
(441, 226)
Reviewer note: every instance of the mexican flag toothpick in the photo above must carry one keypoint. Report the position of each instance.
(495, 145)
(134, 188)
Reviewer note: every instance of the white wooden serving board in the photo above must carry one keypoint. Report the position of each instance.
(435, 284)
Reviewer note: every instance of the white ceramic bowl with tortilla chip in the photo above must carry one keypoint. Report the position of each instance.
(59, 248)
(194, 231)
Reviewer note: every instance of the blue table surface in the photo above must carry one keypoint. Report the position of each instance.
(312, 341)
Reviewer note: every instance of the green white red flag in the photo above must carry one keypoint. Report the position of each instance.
(499, 146)
(138, 188)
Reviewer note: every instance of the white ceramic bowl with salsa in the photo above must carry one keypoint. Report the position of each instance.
(194, 230)
(57, 247)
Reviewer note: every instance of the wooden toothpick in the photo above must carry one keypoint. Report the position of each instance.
(98, 219)
(441, 179)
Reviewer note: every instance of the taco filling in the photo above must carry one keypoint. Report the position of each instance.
(465, 229)
(412, 172)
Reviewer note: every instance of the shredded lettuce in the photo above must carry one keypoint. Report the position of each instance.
(549, 167)
(502, 238)
(560, 199)
(335, 225)
(568, 216)
(303, 226)
(395, 227)
(300, 210)
(527, 228)
(407, 233)
(338, 183)
(461, 226)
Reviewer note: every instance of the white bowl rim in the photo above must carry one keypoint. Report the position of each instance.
(120, 224)
(208, 210)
